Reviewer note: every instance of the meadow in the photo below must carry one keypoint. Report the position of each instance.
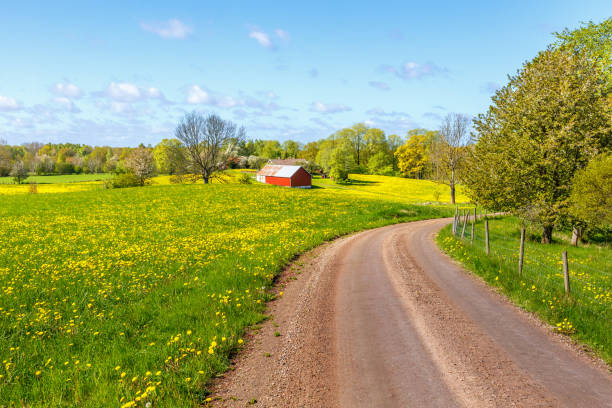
(395, 188)
(140, 295)
(61, 178)
(585, 315)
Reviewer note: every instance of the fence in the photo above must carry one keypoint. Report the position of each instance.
(533, 263)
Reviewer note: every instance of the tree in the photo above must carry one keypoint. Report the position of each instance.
(542, 127)
(271, 150)
(341, 161)
(169, 156)
(204, 139)
(309, 152)
(141, 164)
(5, 160)
(291, 149)
(593, 40)
(356, 136)
(375, 142)
(380, 163)
(412, 156)
(448, 150)
(19, 172)
(591, 196)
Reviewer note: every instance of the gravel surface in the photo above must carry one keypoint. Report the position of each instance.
(384, 319)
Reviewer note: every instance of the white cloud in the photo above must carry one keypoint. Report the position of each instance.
(262, 38)
(65, 104)
(173, 28)
(282, 34)
(123, 92)
(67, 90)
(8, 104)
(380, 85)
(153, 93)
(380, 112)
(196, 95)
(414, 70)
(328, 108)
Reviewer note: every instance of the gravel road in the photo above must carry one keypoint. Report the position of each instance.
(382, 318)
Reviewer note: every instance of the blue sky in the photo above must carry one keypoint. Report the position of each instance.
(123, 72)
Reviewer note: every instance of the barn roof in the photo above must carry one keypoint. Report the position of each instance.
(276, 170)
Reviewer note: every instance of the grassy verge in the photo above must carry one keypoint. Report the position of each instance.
(124, 297)
(585, 315)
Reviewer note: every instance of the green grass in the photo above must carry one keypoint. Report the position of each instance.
(109, 295)
(64, 178)
(586, 314)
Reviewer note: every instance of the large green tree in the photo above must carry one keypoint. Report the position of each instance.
(591, 197)
(550, 119)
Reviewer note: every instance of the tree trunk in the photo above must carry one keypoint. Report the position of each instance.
(205, 178)
(547, 234)
(452, 187)
(576, 235)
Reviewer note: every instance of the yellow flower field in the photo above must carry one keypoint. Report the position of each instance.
(129, 296)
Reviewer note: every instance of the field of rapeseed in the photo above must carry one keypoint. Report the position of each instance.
(586, 314)
(133, 296)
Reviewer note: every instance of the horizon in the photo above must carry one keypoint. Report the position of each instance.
(110, 74)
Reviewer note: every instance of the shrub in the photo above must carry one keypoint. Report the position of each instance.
(122, 180)
(64, 168)
(177, 179)
(244, 178)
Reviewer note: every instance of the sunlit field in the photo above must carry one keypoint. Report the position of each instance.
(395, 188)
(586, 314)
(129, 296)
(80, 182)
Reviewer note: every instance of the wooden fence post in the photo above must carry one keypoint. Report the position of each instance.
(466, 214)
(566, 273)
(521, 251)
(487, 236)
(473, 219)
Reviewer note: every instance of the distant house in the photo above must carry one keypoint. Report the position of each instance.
(284, 175)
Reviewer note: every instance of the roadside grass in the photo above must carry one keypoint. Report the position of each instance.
(585, 315)
(128, 296)
(395, 188)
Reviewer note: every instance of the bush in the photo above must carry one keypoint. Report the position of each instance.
(64, 168)
(177, 179)
(122, 180)
(244, 178)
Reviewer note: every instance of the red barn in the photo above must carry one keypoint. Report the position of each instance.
(288, 176)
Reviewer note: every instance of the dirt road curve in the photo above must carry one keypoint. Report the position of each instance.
(384, 319)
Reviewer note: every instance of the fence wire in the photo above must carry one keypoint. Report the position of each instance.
(541, 266)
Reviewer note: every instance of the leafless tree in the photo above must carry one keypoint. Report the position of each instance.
(208, 141)
(3, 141)
(33, 147)
(19, 172)
(141, 164)
(449, 149)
